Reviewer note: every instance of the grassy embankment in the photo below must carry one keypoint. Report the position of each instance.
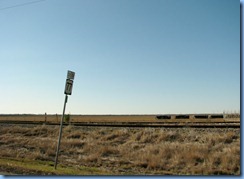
(131, 151)
(34, 167)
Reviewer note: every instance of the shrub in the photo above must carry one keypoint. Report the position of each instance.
(67, 118)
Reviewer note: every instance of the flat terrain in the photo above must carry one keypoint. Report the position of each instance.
(81, 118)
(107, 118)
(30, 149)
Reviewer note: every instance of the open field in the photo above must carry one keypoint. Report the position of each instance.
(81, 118)
(30, 149)
(110, 118)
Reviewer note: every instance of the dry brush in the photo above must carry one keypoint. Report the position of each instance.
(133, 151)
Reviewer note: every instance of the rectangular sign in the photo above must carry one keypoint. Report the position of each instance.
(68, 87)
(70, 75)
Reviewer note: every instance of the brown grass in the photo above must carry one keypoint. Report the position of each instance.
(184, 151)
(108, 118)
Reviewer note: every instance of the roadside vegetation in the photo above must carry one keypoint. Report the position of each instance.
(120, 151)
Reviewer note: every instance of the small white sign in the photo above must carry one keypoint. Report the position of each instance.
(70, 75)
(68, 87)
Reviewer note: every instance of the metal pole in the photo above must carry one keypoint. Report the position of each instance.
(60, 132)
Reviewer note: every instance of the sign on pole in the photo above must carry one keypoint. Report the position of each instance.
(67, 91)
(70, 75)
(68, 87)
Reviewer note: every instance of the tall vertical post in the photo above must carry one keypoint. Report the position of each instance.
(60, 131)
(67, 91)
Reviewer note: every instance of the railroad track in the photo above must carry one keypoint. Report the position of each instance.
(227, 124)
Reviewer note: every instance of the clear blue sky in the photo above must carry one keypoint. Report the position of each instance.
(130, 56)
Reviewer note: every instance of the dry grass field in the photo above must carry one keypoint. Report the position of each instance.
(106, 118)
(81, 118)
(119, 151)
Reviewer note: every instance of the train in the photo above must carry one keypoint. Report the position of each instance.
(197, 116)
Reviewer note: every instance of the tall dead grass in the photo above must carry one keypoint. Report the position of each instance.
(183, 151)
